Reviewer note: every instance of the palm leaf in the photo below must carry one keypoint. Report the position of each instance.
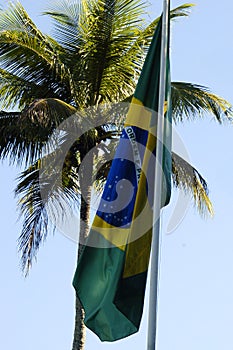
(66, 16)
(36, 220)
(47, 113)
(22, 47)
(147, 33)
(188, 179)
(190, 100)
(19, 91)
(24, 135)
(108, 29)
(43, 199)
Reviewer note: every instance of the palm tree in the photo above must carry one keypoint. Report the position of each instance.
(94, 59)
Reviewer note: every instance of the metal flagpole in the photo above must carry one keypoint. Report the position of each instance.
(152, 321)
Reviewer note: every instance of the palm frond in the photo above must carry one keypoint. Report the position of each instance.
(146, 34)
(12, 144)
(23, 46)
(36, 220)
(47, 113)
(43, 201)
(24, 135)
(18, 91)
(66, 17)
(190, 100)
(181, 11)
(108, 29)
(188, 179)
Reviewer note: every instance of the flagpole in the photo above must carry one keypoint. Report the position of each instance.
(153, 298)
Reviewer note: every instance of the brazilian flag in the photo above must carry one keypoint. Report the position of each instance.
(110, 278)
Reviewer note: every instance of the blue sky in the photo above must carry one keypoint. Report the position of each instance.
(196, 268)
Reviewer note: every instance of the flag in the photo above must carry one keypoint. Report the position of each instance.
(111, 274)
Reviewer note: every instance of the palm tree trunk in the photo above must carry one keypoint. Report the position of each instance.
(79, 327)
(86, 188)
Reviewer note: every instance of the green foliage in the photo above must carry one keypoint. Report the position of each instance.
(188, 179)
(190, 100)
(24, 135)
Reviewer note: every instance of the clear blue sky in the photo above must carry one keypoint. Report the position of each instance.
(196, 284)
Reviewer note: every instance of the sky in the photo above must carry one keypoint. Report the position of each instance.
(196, 262)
